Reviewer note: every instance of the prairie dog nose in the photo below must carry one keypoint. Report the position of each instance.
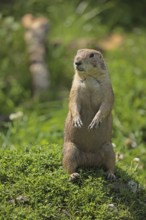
(78, 63)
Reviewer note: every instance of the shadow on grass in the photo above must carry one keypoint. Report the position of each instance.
(124, 190)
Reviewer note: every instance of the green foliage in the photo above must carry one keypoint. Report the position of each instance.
(77, 20)
(125, 14)
(14, 72)
(128, 76)
(41, 124)
(69, 21)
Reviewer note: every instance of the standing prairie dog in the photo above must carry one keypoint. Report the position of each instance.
(88, 126)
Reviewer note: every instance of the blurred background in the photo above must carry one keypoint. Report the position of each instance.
(30, 48)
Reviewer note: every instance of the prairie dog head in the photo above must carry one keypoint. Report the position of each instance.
(89, 62)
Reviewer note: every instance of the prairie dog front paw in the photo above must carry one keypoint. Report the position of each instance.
(95, 123)
(77, 122)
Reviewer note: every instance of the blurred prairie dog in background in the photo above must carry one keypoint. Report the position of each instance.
(88, 126)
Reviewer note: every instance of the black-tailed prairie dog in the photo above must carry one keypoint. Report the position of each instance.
(88, 126)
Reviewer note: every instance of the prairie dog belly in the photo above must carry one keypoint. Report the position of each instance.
(88, 140)
(89, 97)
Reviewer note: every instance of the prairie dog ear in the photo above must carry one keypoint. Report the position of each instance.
(80, 50)
(100, 56)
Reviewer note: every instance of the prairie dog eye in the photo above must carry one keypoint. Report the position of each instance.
(91, 55)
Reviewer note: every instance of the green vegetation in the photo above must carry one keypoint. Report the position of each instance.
(33, 184)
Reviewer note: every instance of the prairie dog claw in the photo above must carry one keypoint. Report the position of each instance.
(77, 123)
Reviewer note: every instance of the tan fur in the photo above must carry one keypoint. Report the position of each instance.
(88, 127)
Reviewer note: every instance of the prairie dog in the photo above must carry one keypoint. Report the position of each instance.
(88, 126)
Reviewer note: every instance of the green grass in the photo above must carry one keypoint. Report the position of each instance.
(33, 184)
